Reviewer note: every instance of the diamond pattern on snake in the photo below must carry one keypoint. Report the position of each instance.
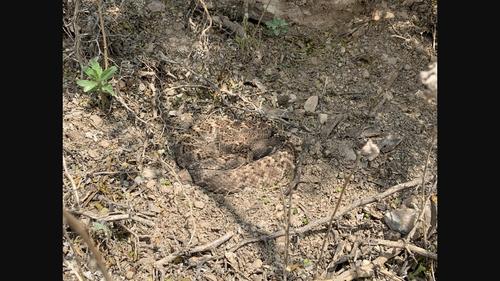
(225, 155)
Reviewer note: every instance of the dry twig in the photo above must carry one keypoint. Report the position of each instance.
(424, 201)
(80, 229)
(72, 181)
(322, 221)
(209, 246)
(403, 245)
(104, 42)
(293, 184)
(330, 222)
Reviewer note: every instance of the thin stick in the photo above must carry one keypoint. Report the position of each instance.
(77, 36)
(73, 185)
(80, 229)
(122, 102)
(365, 271)
(209, 246)
(403, 245)
(291, 187)
(330, 222)
(322, 221)
(183, 86)
(190, 203)
(422, 211)
(261, 16)
(104, 42)
(78, 270)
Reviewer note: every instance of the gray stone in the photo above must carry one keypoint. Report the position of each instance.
(365, 73)
(156, 6)
(322, 118)
(311, 104)
(401, 220)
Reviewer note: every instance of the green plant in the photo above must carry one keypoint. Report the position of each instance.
(98, 80)
(277, 26)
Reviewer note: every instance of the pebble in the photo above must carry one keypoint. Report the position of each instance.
(322, 118)
(138, 180)
(148, 173)
(401, 220)
(93, 153)
(311, 103)
(199, 204)
(151, 184)
(129, 275)
(347, 152)
(96, 120)
(392, 60)
(104, 143)
(257, 263)
(156, 6)
(366, 74)
(370, 150)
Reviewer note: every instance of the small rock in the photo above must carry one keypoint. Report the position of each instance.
(370, 150)
(292, 98)
(199, 204)
(392, 60)
(184, 176)
(322, 118)
(401, 220)
(347, 152)
(138, 180)
(342, 50)
(129, 275)
(149, 173)
(156, 6)
(389, 143)
(283, 100)
(311, 103)
(104, 143)
(366, 73)
(96, 120)
(381, 206)
(93, 153)
(389, 15)
(257, 263)
(154, 208)
(172, 113)
(151, 184)
(142, 87)
(407, 67)
(348, 248)
(340, 64)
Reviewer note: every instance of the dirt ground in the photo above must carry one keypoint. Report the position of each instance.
(173, 66)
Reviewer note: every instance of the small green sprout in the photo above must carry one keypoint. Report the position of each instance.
(277, 26)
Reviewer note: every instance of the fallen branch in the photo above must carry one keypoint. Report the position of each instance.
(72, 181)
(80, 229)
(366, 270)
(209, 246)
(330, 221)
(291, 187)
(114, 217)
(322, 221)
(403, 245)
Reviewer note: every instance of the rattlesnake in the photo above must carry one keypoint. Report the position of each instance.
(225, 155)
